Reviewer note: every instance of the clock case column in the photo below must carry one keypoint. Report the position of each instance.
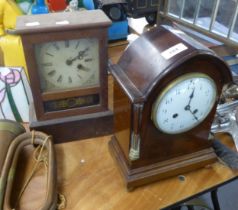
(140, 76)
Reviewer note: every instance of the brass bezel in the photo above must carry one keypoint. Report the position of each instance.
(169, 87)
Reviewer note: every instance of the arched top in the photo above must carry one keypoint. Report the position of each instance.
(156, 54)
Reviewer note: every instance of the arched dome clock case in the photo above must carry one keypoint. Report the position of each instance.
(166, 91)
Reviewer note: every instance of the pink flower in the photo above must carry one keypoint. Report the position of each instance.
(11, 78)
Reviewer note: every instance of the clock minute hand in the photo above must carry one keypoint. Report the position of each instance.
(81, 54)
(188, 107)
(70, 61)
(191, 96)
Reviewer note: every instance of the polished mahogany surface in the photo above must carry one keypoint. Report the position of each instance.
(70, 112)
(141, 74)
(142, 64)
(53, 27)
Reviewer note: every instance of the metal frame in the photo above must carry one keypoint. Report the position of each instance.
(227, 39)
(213, 192)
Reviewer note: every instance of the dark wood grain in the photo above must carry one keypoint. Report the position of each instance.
(29, 40)
(79, 127)
(122, 118)
(55, 21)
(142, 73)
(69, 113)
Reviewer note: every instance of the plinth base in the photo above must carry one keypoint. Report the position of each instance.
(76, 127)
(135, 177)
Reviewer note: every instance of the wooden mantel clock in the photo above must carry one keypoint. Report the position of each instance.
(166, 91)
(66, 55)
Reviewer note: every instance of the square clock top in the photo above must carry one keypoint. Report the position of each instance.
(55, 21)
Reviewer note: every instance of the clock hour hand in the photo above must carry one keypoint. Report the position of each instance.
(193, 113)
(188, 108)
(70, 61)
(82, 67)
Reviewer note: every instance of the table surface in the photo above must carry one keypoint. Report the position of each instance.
(90, 179)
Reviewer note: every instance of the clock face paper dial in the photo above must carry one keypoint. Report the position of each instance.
(68, 64)
(184, 104)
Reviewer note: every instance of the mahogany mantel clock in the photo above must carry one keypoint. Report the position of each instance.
(66, 55)
(167, 87)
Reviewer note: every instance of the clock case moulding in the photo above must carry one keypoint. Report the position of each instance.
(144, 153)
(72, 123)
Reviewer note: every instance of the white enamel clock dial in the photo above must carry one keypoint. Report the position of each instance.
(184, 104)
(68, 64)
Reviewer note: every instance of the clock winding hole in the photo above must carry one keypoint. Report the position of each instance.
(175, 115)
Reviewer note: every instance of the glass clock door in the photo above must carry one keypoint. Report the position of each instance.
(68, 64)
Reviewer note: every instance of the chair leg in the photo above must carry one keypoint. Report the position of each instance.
(180, 207)
(190, 208)
(215, 201)
(176, 208)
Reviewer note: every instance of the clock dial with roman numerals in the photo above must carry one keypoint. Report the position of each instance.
(68, 64)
